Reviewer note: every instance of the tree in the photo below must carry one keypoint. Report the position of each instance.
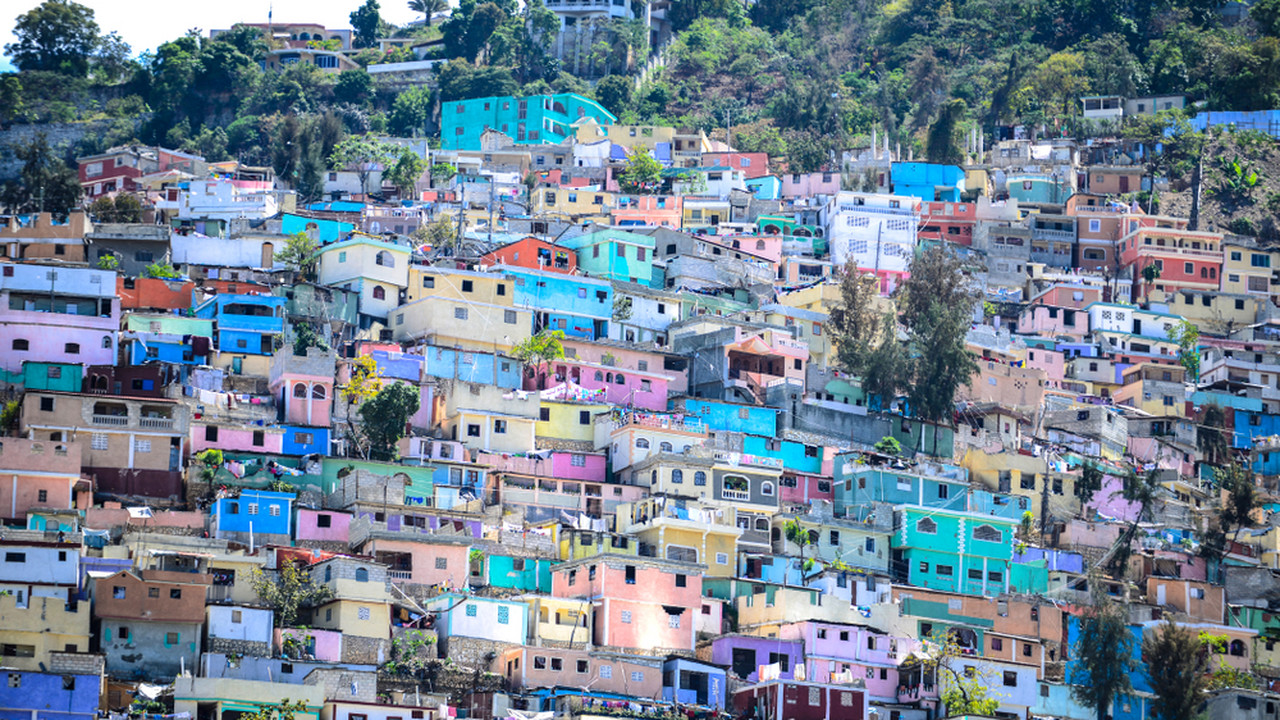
(364, 382)
(384, 418)
(643, 173)
(283, 710)
(299, 254)
(288, 591)
(854, 324)
(1211, 437)
(965, 689)
(353, 86)
(1150, 273)
(1175, 666)
(539, 351)
(800, 535)
(406, 172)
(367, 23)
(1188, 338)
(364, 154)
(1266, 15)
(58, 36)
(1090, 481)
(439, 234)
(428, 8)
(46, 183)
(1103, 656)
(128, 208)
(614, 93)
(410, 112)
(943, 146)
(1242, 496)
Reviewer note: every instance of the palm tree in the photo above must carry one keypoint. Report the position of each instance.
(801, 536)
(428, 8)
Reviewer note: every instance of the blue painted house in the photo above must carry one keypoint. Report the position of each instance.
(244, 324)
(260, 512)
(729, 417)
(476, 367)
(29, 695)
(952, 550)
(796, 457)
(305, 441)
(327, 231)
(859, 485)
(927, 181)
(690, 682)
(766, 187)
(457, 483)
(579, 306)
(526, 574)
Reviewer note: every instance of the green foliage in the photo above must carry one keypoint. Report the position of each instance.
(943, 146)
(614, 93)
(1090, 481)
(367, 23)
(306, 337)
(124, 208)
(410, 112)
(287, 591)
(1187, 336)
(1175, 668)
(412, 652)
(439, 233)
(210, 460)
(384, 418)
(1237, 179)
(57, 35)
(1242, 495)
(540, 350)
(1103, 655)
(299, 254)
(108, 262)
(45, 182)
(1227, 677)
(9, 416)
(283, 710)
(443, 172)
(428, 8)
(363, 154)
(406, 171)
(888, 445)
(461, 81)
(353, 86)
(643, 173)
(161, 270)
(365, 380)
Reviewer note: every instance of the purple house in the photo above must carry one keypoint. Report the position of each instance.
(744, 654)
(1109, 501)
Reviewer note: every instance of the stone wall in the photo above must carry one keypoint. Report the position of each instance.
(231, 646)
(366, 651)
(62, 138)
(74, 663)
(345, 685)
(472, 652)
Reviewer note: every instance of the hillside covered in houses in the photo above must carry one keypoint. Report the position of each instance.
(657, 360)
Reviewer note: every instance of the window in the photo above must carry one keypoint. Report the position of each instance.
(988, 534)
(673, 621)
(699, 478)
(442, 563)
(504, 615)
(500, 427)
(944, 571)
(46, 404)
(473, 430)
(363, 613)
(943, 492)
(99, 441)
(172, 639)
(362, 574)
(925, 525)
(997, 644)
(175, 593)
(1010, 678)
(153, 592)
(459, 313)
(625, 618)
(117, 592)
(472, 610)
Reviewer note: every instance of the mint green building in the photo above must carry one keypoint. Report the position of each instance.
(533, 120)
(953, 551)
(615, 255)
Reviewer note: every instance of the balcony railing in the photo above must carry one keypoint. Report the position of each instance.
(154, 423)
(116, 420)
(735, 494)
(401, 575)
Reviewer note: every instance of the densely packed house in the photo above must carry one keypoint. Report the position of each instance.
(589, 451)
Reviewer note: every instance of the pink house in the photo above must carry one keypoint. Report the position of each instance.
(1051, 320)
(653, 210)
(628, 376)
(1109, 501)
(40, 475)
(58, 315)
(322, 528)
(324, 645)
(766, 247)
(831, 648)
(644, 603)
(799, 488)
(752, 165)
(805, 185)
(590, 467)
(304, 385)
(1052, 362)
(268, 440)
(417, 558)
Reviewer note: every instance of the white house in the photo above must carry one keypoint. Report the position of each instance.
(651, 313)
(479, 617)
(239, 623)
(38, 569)
(878, 232)
(377, 270)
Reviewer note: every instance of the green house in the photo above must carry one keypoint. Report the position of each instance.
(952, 550)
(532, 120)
(59, 377)
(615, 255)
(525, 574)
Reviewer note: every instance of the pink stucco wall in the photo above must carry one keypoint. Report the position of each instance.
(1050, 361)
(48, 335)
(1149, 449)
(1036, 321)
(629, 391)
(644, 599)
(309, 529)
(112, 515)
(559, 466)
(237, 439)
(328, 643)
(592, 469)
(307, 410)
(423, 554)
(806, 489)
(1109, 501)
(810, 184)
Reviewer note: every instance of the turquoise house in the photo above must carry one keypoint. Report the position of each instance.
(729, 416)
(525, 574)
(766, 187)
(39, 375)
(952, 550)
(858, 484)
(532, 120)
(1039, 188)
(928, 181)
(615, 255)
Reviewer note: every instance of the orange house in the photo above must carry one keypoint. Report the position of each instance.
(535, 254)
(40, 475)
(154, 293)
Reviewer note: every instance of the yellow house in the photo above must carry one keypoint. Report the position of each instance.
(1025, 476)
(704, 212)
(579, 544)
(679, 529)
(44, 625)
(466, 325)
(1215, 313)
(232, 697)
(586, 204)
(484, 417)
(560, 420)
(460, 285)
(588, 130)
(810, 328)
(1156, 389)
(1247, 270)
(559, 622)
(360, 618)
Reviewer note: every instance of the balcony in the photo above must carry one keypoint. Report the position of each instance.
(400, 575)
(728, 494)
(112, 420)
(151, 423)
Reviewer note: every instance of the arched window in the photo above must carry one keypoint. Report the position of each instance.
(664, 447)
(653, 477)
(384, 259)
(599, 376)
(686, 449)
(677, 476)
(328, 573)
(762, 524)
(927, 526)
(379, 293)
(1237, 648)
(766, 489)
(106, 342)
(699, 478)
(988, 534)
(619, 379)
(300, 390)
(642, 443)
(317, 392)
(739, 486)
(759, 244)
(362, 575)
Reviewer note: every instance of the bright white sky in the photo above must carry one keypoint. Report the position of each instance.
(146, 24)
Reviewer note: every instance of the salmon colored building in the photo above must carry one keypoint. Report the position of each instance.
(535, 254)
(154, 293)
